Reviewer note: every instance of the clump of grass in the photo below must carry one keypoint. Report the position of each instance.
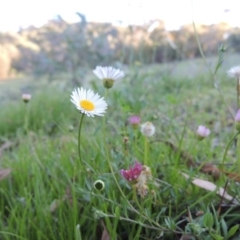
(51, 194)
(47, 110)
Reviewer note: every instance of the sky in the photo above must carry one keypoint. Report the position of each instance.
(23, 13)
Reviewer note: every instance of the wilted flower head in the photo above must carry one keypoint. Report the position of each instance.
(142, 181)
(237, 120)
(89, 103)
(99, 185)
(26, 97)
(109, 75)
(134, 121)
(147, 129)
(132, 173)
(202, 132)
(234, 72)
(125, 139)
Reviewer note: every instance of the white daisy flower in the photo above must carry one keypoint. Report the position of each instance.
(89, 103)
(234, 72)
(109, 75)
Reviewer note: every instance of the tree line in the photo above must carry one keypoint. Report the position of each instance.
(60, 47)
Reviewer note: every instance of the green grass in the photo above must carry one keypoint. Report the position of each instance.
(49, 195)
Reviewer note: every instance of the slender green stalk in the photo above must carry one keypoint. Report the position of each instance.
(146, 145)
(12, 234)
(26, 118)
(238, 138)
(26, 129)
(238, 93)
(227, 148)
(193, 145)
(109, 162)
(209, 69)
(104, 128)
(180, 144)
(135, 136)
(79, 140)
(75, 205)
(238, 152)
(106, 94)
(107, 153)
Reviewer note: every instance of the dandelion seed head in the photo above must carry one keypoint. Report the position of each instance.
(234, 72)
(148, 129)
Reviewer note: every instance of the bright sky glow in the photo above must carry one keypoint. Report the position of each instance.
(22, 13)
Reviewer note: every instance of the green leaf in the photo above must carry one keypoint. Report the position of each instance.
(78, 233)
(221, 52)
(224, 227)
(208, 220)
(232, 231)
(117, 212)
(216, 236)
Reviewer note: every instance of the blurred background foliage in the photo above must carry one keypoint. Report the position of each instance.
(60, 47)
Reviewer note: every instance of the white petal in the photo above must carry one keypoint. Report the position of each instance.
(108, 73)
(80, 94)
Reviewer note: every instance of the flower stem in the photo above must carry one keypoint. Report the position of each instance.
(238, 152)
(226, 150)
(194, 144)
(238, 93)
(79, 140)
(26, 119)
(238, 139)
(146, 151)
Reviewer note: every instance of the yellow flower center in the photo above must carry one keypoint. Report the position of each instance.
(87, 105)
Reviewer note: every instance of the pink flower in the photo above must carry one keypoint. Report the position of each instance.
(134, 121)
(237, 117)
(237, 120)
(26, 97)
(202, 132)
(133, 173)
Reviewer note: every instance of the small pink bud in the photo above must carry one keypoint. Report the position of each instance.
(134, 121)
(26, 97)
(237, 120)
(237, 117)
(202, 132)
